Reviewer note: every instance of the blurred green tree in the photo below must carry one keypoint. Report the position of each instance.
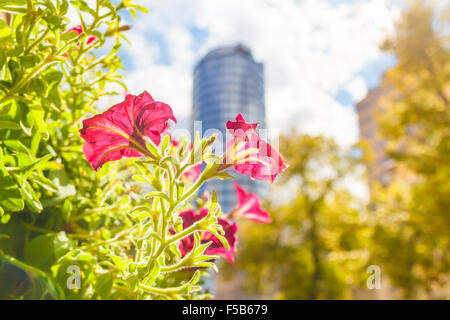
(411, 238)
(316, 245)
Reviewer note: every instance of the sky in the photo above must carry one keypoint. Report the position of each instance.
(320, 56)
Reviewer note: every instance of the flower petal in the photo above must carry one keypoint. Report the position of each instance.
(215, 248)
(193, 173)
(240, 125)
(111, 147)
(119, 131)
(249, 206)
(250, 154)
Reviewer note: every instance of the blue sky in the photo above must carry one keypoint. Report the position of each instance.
(320, 56)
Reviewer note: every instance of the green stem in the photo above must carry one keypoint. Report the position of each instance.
(192, 189)
(186, 232)
(14, 89)
(102, 243)
(38, 229)
(37, 41)
(177, 266)
(171, 292)
(87, 212)
(43, 230)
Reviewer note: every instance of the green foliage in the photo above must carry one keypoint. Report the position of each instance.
(23, 281)
(60, 218)
(412, 212)
(141, 259)
(51, 200)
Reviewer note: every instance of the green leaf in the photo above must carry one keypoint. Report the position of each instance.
(224, 176)
(14, 68)
(10, 197)
(38, 117)
(5, 124)
(12, 3)
(26, 170)
(52, 77)
(165, 144)
(44, 250)
(3, 83)
(63, 183)
(153, 272)
(39, 252)
(180, 189)
(4, 29)
(22, 281)
(67, 36)
(118, 262)
(5, 218)
(35, 142)
(31, 199)
(29, 61)
(103, 284)
(14, 52)
(38, 85)
(153, 149)
(157, 194)
(62, 244)
(16, 145)
(140, 178)
(213, 198)
(25, 129)
(44, 182)
(133, 13)
(167, 159)
(140, 8)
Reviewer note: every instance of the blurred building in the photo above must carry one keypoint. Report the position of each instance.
(381, 166)
(228, 81)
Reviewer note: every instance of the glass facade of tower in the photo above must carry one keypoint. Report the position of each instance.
(228, 81)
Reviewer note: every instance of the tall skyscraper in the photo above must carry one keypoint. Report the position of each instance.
(228, 81)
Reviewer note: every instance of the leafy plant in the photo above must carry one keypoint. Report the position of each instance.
(158, 238)
(123, 238)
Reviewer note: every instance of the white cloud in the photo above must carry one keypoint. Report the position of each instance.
(310, 50)
(357, 88)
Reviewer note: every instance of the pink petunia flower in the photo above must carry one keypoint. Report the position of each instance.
(251, 155)
(120, 131)
(249, 206)
(193, 173)
(79, 30)
(215, 248)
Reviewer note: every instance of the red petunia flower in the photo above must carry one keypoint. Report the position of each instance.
(121, 130)
(251, 155)
(79, 30)
(249, 206)
(215, 248)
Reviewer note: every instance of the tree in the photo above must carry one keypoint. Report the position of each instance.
(411, 238)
